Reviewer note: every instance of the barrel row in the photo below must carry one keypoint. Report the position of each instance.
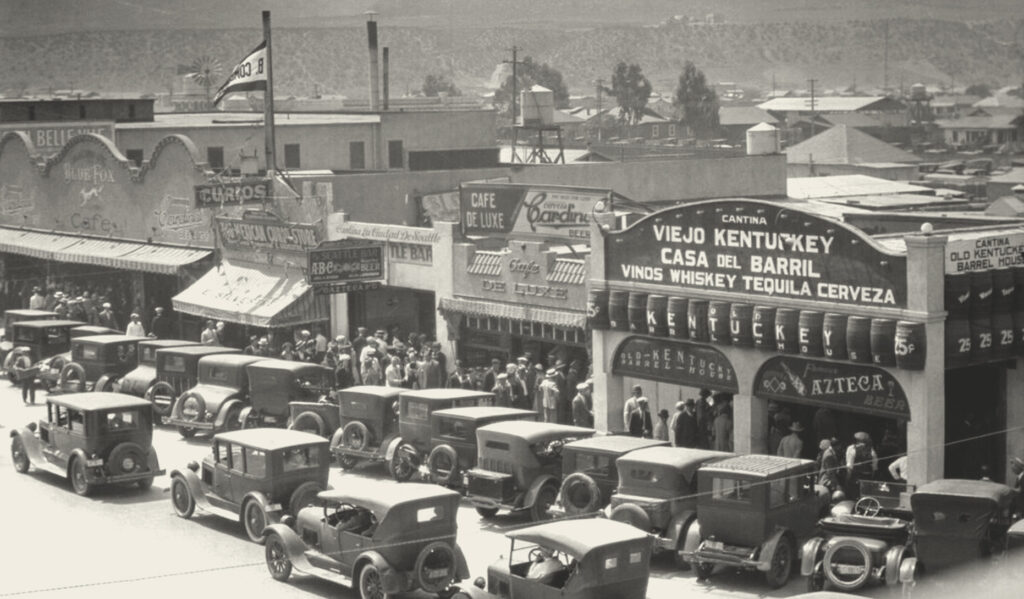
(984, 316)
(815, 334)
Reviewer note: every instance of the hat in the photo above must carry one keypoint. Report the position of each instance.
(511, 365)
(134, 315)
(538, 366)
(690, 401)
(825, 444)
(264, 341)
(503, 377)
(344, 358)
(159, 309)
(680, 404)
(705, 392)
(796, 427)
(582, 387)
(106, 304)
(522, 359)
(340, 339)
(378, 332)
(641, 400)
(495, 361)
(637, 388)
(861, 437)
(550, 372)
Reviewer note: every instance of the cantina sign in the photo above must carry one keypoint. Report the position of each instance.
(832, 384)
(984, 251)
(527, 210)
(757, 248)
(675, 362)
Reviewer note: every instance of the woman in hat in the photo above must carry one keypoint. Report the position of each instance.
(792, 445)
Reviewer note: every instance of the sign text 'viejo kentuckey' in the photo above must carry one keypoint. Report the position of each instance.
(757, 248)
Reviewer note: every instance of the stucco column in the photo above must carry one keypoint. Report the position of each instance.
(750, 424)
(608, 396)
(444, 271)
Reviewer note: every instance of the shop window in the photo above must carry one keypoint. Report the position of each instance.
(654, 131)
(396, 157)
(215, 156)
(357, 155)
(134, 156)
(81, 111)
(292, 158)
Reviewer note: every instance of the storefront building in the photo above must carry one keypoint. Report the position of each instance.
(783, 308)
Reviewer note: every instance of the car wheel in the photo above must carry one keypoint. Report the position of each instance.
(19, 456)
(186, 432)
(545, 499)
(487, 512)
(278, 562)
(371, 583)
(347, 462)
(181, 498)
(303, 495)
(255, 520)
(145, 483)
(79, 482)
(443, 463)
(403, 464)
(72, 378)
(816, 581)
(355, 436)
(231, 420)
(309, 422)
(703, 570)
(781, 565)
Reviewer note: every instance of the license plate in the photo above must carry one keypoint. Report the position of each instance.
(848, 569)
(716, 545)
(94, 463)
(437, 572)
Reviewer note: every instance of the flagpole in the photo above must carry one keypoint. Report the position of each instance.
(268, 104)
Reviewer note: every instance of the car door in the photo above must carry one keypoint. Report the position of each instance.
(221, 473)
(59, 436)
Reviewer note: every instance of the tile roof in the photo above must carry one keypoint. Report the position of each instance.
(846, 145)
(486, 263)
(568, 271)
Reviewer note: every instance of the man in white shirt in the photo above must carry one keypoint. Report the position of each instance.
(135, 328)
(631, 405)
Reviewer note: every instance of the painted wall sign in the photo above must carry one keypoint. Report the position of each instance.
(527, 210)
(410, 253)
(526, 272)
(832, 384)
(333, 263)
(441, 206)
(246, 191)
(259, 233)
(984, 251)
(757, 248)
(49, 138)
(15, 200)
(676, 362)
(379, 232)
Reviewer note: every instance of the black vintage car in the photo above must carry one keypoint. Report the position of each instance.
(177, 371)
(97, 362)
(453, 439)
(13, 316)
(218, 399)
(143, 376)
(368, 425)
(36, 340)
(275, 384)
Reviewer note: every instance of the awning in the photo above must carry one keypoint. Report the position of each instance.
(112, 253)
(254, 294)
(558, 318)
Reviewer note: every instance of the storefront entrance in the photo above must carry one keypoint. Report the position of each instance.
(975, 417)
(396, 310)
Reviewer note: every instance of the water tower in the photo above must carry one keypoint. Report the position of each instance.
(536, 129)
(920, 105)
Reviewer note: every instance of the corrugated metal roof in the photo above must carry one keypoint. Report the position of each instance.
(847, 185)
(486, 263)
(557, 318)
(568, 271)
(743, 115)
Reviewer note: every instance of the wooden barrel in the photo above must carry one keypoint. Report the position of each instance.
(657, 318)
(910, 345)
(981, 339)
(597, 309)
(718, 322)
(618, 313)
(763, 327)
(675, 317)
(1004, 296)
(1003, 334)
(958, 295)
(1018, 309)
(741, 324)
(981, 294)
(958, 343)
(883, 341)
(858, 339)
(833, 336)
(636, 310)
(809, 333)
(697, 319)
(787, 321)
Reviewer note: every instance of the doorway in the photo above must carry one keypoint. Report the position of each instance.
(975, 413)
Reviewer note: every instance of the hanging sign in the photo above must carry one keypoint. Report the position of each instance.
(265, 232)
(334, 263)
(246, 191)
(676, 362)
(984, 250)
(528, 210)
(757, 248)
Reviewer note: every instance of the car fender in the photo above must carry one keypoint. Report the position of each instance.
(535, 486)
(33, 448)
(223, 413)
(195, 485)
(461, 566)
(764, 558)
(272, 510)
(392, 448)
(293, 544)
(101, 382)
(907, 570)
(79, 454)
(809, 555)
(677, 526)
(392, 580)
(244, 416)
(152, 460)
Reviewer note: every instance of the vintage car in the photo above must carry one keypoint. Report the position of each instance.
(377, 537)
(138, 381)
(589, 473)
(36, 340)
(96, 363)
(657, 493)
(368, 424)
(412, 447)
(596, 559)
(218, 399)
(92, 439)
(17, 315)
(177, 371)
(753, 511)
(274, 384)
(49, 369)
(453, 439)
(519, 466)
(255, 476)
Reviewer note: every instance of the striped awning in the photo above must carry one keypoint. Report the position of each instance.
(112, 253)
(254, 294)
(568, 272)
(558, 318)
(486, 263)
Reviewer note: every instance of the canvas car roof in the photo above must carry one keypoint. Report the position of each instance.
(955, 488)
(578, 537)
(380, 496)
(229, 359)
(270, 438)
(198, 350)
(438, 394)
(481, 412)
(684, 459)
(29, 312)
(39, 324)
(94, 330)
(99, 401)
(759, 465)
(534, 431)
(159, 343)
(377, 390)
(614, 443)
(284, 365)
(106, 339)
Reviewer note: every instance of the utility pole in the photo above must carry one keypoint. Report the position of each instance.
(600, 90)
(515, 80)
(813, 116)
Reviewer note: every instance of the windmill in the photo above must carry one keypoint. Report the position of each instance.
(206, 71)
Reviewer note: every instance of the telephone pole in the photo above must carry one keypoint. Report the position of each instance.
(885, 61)
(813, 116)
(600, 90)
(515, 80)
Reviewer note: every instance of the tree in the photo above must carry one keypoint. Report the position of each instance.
(631, 90)
(435, 85)
(978, 89)
(528, 74)
(696, 104)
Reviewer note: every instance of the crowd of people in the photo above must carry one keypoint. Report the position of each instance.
(702, 423)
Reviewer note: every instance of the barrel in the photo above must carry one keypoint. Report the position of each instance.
(1004, 296)
(597, 309)
(697, 319)
(958, 343)
(858, 339)
(1018, 282)
(657, 318)
(718, 322)
(741, 324)
(833, 336)
(618, 314)
(910, 345)
(958, 295)
(883, 341)
(636, 309)
(1003, 334)
(981, 294)
(787, 322)
(981, 339)
(809, 333)
(675, 316)
(763, 327)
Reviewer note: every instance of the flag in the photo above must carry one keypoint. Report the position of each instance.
(250, 74)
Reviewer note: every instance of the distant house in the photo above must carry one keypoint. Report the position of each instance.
(999, 186)
(886, 127)
(949, 106)
(788, 109)
(982, 129)
(844, 150)
(612, 124)
(1007, 98)
(735, 120)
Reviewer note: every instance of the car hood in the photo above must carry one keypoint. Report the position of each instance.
(45, 363)
(213, 395)
(138, 380)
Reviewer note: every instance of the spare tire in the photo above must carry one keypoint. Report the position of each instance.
(72, 378)
(309, 422)
(842, 582)
(303, 495)
(355, 436)
(443, 463)
(435, 567)
(580, 495)
(633, 515)
(127, 458)
(197, 410)
(161, 394)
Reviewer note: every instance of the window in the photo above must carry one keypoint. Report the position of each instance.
(396, 154)
(222, 453)
(121, 420)
(416, 411)
(598, 465)
(654, 131)
(77, 421)
(291, 156)
(135, 156)
(357, 155)
(60, 416)
(31, 113)
(215, 156)
(147, 355)
(88, 352)
(131, 112)
(611, 563)
(237, 463)
(496, 445)
(255, 462)
(174, 364)
(217, 374)
(643, 474)
(453, 428)
(57, 335)
(298, 458)
(777, 492)
(430, 514)
(671, 130)
(81, 111)
(729, 489)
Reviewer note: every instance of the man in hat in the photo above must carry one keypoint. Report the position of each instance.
(38, 300)
(1017, 467)
(161, 327)
(685, 430)
(861, 463)
(433, 374)
(640, 424)
(535, 393)
(502, 391)
(359, 341)
(460, 378)
(792, 445)
(630, 405)
(221, 333)
(254, 344)
(704, 411)
(491, 378)
(343, 377)
(828, 466)
(516, 384)
(550, 396)
(106, 317)
(583, 407)
(262, 348)
(672, 422)
(134, 328)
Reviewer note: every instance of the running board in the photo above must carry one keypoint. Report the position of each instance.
(302, 565)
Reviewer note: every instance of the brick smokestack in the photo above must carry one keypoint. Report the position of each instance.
(371, 37)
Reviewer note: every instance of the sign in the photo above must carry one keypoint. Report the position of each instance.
(528, 210)
(380, 232)
(523, 273)
(676, 362)
(345, 264)
(757, 248)
(832, 385)
(265, 232)
(332, 288)
(441, 206)
(49, 138)
(411, 253)
(984, 251)
(246, 191)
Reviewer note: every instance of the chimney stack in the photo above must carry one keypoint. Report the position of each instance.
(371, 35)
(384, 82)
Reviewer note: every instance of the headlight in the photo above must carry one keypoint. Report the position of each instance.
(190, 409)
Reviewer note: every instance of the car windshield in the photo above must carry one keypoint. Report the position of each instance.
(57, 335)
(731, 490)
(297, 458)
(147, 355)
(174, 364)
(120, 420)
(23, 334)
(313, 382)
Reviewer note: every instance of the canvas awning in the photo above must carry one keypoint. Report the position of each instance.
(112, 253)
(254, 294)
(558, 318)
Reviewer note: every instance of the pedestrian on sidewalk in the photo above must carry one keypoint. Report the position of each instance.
(26, 377)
